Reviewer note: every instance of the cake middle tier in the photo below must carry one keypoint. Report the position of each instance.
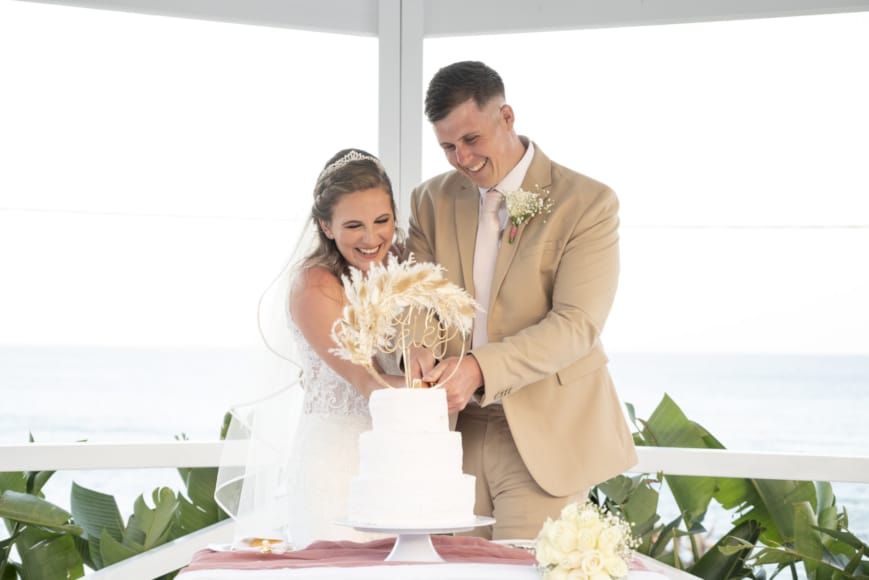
(401, 455)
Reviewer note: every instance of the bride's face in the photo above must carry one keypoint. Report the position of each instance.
(362, 226)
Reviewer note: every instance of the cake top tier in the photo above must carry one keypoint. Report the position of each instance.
(409, 410)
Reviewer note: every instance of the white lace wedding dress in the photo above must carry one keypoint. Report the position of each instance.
(325, 451)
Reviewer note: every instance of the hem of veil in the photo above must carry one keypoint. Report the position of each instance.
(231, 487)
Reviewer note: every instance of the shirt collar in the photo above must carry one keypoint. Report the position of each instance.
(514, 178)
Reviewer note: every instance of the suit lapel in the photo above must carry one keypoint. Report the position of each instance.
(466, 216)
(538, 177)
(506, 252)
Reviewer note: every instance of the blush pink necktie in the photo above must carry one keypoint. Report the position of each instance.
(485, 255)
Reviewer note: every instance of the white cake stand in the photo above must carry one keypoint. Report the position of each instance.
(413, 544)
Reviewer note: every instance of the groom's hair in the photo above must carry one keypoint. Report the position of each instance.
(456, 83)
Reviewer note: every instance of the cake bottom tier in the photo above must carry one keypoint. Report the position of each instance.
(411, 503)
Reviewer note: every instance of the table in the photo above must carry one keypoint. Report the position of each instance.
(466, 558)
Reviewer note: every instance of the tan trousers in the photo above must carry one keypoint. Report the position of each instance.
(505, 489)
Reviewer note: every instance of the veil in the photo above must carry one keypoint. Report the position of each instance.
(252, 481)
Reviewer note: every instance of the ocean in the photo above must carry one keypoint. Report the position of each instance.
(807, 404)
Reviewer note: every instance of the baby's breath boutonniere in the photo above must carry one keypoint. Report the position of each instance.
(523, 206)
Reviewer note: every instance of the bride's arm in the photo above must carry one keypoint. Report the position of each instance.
(316, 302)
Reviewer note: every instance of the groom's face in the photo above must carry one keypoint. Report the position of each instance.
(476, 140)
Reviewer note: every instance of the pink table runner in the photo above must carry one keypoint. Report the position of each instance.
(453, 549)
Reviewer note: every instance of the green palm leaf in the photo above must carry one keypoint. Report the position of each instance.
(113, 551)
(154, 526)
(95, 512)
(35, 511)
(49, 556)
(727, 559)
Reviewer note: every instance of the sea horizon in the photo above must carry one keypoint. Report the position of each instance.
(749, 402)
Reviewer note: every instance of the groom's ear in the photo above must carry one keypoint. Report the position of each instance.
(507, 115)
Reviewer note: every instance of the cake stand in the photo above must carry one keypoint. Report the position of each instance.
(413, 543)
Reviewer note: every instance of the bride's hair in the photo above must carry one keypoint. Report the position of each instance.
(347, 171)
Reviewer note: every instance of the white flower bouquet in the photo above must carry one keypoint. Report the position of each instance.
(584, 543)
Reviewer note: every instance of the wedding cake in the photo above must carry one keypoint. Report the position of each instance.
(410, 464)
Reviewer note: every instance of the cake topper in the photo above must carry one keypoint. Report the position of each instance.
(398, 306)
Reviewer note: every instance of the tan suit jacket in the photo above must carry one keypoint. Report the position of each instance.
(551, 294)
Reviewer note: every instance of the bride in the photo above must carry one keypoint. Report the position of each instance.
(353, 213)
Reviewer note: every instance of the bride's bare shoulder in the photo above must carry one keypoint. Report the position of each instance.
(315, 285)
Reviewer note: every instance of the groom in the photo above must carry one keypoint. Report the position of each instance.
(540, 418)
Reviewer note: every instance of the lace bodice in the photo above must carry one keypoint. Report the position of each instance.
(326, 392)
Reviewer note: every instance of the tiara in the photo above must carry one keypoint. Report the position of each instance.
(348, 158)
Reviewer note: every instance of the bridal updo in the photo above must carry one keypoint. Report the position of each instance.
(346, 172)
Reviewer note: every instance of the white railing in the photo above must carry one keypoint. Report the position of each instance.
(670, 460)
(174, 555)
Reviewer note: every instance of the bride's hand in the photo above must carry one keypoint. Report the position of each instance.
(396, 381)
(421, 361)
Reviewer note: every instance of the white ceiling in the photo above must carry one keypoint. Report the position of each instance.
(464, 17)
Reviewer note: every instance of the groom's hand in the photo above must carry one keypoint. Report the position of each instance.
(460, 386)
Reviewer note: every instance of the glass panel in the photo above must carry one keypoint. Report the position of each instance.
(155, 174)
(738, 150)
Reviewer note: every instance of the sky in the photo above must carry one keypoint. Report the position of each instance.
(154, 171)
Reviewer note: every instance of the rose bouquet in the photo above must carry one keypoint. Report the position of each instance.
(584, 543)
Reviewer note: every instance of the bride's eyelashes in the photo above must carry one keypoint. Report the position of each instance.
(385, 219)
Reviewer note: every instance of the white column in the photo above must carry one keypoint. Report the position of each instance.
(401, 90)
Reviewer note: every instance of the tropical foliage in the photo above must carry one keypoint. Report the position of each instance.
(779, 526)
(54, 544)
(42, 533)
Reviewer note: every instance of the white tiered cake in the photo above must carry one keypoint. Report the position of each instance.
(410, 465)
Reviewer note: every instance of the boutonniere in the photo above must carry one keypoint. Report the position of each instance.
(523, 206)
